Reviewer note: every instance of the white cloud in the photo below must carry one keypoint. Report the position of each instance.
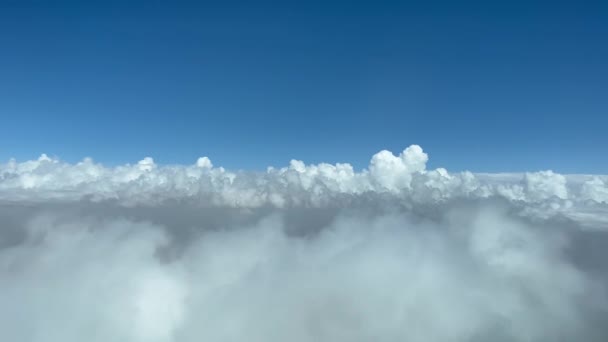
(148, 252)
(404, 177)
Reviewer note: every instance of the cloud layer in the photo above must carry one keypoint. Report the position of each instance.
(302, 253)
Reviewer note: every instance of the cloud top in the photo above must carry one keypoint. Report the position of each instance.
(403, 177)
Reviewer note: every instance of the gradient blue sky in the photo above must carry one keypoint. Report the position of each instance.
(484, 86)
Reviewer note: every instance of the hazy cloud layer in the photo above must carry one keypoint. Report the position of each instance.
(394, 252)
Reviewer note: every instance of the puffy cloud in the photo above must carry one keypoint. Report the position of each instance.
(204, 163)
(595, 190)
(395, 172)
(323, 252)
(402, 176)
(545, 185)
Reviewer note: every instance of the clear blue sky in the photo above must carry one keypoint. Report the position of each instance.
(484, 86)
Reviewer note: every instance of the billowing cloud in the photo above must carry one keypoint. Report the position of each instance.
(394, 252)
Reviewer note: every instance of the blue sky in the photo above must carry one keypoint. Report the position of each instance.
(484, 86)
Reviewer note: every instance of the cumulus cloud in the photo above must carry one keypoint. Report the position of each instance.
(150, 252)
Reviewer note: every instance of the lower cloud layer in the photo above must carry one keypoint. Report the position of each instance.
(459, 271)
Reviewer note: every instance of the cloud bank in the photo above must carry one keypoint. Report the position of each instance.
(322, 252)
